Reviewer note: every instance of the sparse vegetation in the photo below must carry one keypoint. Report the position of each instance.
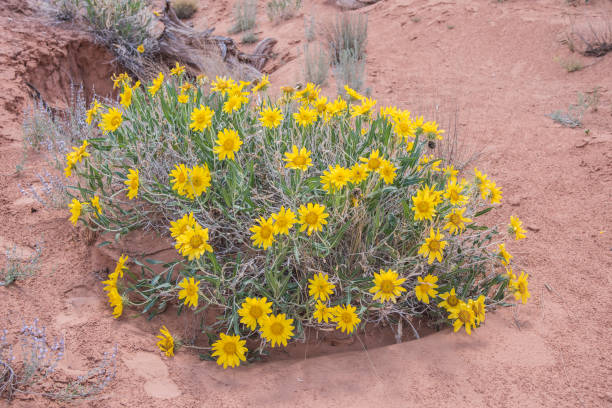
(574, 114)
(16, 267)
(570, 64)
(349, 70)
(245, 13)
(249, 38)
(316, 64)
(184, 9)
(591, 38)
(348, 32)
(310, 28)
(280, 10)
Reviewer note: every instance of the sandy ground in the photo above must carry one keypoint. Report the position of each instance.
(495, 63)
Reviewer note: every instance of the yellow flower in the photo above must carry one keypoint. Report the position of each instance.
(453, 193)
(75, 209)
(450, 301)
(201, 79)
(387, 286)
(140, 48)
(463, 316)
(91, 113)
(320, 105)
(520, 286)
(264, 81)
(479, 309)
(336, 107)
(270, 117)
(228, 142)
(178, 69)
(431, 129)
(74, 157)
(198, 181)
(120, 267)
(111, 120)
(283, 221)
(229, 350)
(201, 118)
(322, 312)
(277, 329)
(483, 183)
(365, 108)
(495, 193)
(126, 97)
(456, 221)
(166, 342)
(424, 204)
(516, 226)
(345, 318)
(116, 302)
(510, 275)
(374, 161)
(426, 288)
(183, 98)
(185, 87)
(222, 85)
(305, 116)
(157, 82)
(403, 127)
(433, 246)
(189, 292)
(180, 226)
(312, 217)
(359, 172)
(319, 287)
(95, 203)
(450, 172)
(254, 311)
(194, 242)
(353, 94)
(233, 103)
(132, 183)
(387, 171)
(339, 176)
(298, 159)
(110, 283)
(504, 254)
(120, 79)
(309, 94)
(263, 234)
(179, 177)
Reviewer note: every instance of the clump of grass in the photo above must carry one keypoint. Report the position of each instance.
(33, 370)
(316, 64)
(245, 12)
(348, 32)
(184, 9)
(17, 267)
(64, 10)
(570, 64)
(281, 10)
(349, 71)
(310, 28)
(249, 38)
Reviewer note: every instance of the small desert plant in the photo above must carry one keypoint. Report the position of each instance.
(288, 214)
(249, 38)
(573, 116)
(64, 10)
(349, 71)
(348, 32)
(592, 38)
(184, 9)
(310, 28)
(16, 267)
(245, 12)
(31, 370)
(316, 64)
(280, 10)
(570, 64)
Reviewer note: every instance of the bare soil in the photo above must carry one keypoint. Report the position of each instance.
(493, 62)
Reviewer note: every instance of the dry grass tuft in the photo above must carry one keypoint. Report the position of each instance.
(184, 9)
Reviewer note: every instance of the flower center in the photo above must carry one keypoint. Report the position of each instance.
(311, 218)
(276, 328)
(386, 286)
(191, 290)
(256, 312)
(196, 181)
(299, 160)
(134, 183)
(455, 219)
(228, 144)
(454, 195)
(181, 178)
(521, 287)
(115, 121)
(195, 241)
(347, 318)
(423, 206)
(374, 163)
(452, 300)
(265, 232)
(464, 316)
(229, 348)
(434, 245)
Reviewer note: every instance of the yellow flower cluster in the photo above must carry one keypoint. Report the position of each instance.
(114, 298)
(190, 182)
(191, 238)
(75, 156)
(344, 316)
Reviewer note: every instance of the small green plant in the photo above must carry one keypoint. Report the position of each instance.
(310, 28)
(349, 71)
(348, 32)
(184, 9)
(17, 267)
(245, 12)
(249, 38)
(573, 116)
(280, 10)
(316, 64)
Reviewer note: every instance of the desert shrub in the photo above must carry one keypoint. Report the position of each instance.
(304, 212)
(33, 369)
(347, 32)
(310, 28)
(280, 10)
(591, 38)
(575, 112)
(570, 64)
(245, 12)
(249, 38)
(316, 65)
(184, 9)
(16, 267)
(349, 71)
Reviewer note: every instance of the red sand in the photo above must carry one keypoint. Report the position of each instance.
(497, 66)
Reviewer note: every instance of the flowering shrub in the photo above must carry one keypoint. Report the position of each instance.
(301, 212)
